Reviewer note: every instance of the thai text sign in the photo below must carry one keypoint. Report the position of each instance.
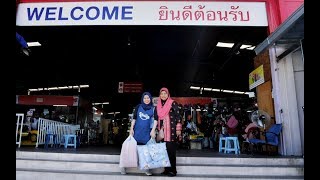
(130, 87)
(142, 13)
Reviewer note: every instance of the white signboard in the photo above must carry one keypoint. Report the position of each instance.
(142, 13)
(120, 87)
(155, 101)
(75, 100)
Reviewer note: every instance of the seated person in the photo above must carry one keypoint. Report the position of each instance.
(250, 131)
(191, 127)
(34, 122)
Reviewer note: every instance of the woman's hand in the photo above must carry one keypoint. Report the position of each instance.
(131, 132)
(153, 134)
(132, 127)
(178, 133)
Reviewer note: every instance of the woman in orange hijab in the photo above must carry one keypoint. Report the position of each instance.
(168, 119)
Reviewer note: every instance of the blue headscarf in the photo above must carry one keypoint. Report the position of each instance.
(146, 106)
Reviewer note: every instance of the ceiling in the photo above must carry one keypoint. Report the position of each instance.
(172, 56)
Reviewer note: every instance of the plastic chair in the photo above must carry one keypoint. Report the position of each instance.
(234, 147)
(73, 139)
(222, 143)
(271, 137)
(48, 138)
(70, 137)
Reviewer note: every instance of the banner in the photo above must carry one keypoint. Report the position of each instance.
(256, 77)
(47, 100)
(177, 13)
(190, 100)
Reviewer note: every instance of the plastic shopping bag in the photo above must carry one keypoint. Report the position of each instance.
(128, 155)
(153, 155)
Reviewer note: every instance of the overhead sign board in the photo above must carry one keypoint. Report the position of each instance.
(179, 13)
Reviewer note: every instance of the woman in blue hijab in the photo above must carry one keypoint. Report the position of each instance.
(143, 116)
(144, 122)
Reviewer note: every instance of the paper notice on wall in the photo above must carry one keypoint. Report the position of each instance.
(155, 101)
(75, 100)
(39, 100)
(256, 77)
(120, 87)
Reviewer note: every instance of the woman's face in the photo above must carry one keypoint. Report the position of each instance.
(163, 95)
(146, 99)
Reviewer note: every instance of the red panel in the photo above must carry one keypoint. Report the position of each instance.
(287, 7)
(132, 87)
(47, 100)
(192, 100)
(273, 14)
(31, 1)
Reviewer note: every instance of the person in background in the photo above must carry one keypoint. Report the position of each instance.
(169, 117)
(140, 125)
(34, 121)
(99, 126)
(33, 127)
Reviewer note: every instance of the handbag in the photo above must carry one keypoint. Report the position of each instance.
(160, 135)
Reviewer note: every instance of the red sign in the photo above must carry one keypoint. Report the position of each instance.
(193, 100)
(130, 87)
(47, 100)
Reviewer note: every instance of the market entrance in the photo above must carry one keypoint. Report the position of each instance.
(191, 60)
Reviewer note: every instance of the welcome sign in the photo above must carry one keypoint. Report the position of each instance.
(142, 13)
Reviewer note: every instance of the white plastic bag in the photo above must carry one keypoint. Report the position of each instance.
(128, 155)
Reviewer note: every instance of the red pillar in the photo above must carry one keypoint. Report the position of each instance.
(273, 14)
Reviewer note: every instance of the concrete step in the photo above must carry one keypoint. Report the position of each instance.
(184, 169)
(235, 160)
(53, 165)
(36, 174)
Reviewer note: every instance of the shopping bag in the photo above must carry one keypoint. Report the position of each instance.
(128, 155)
(157, 151)
(153, 155)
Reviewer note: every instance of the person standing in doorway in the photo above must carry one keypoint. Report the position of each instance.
(169, 117)
(99, 126)
(141, 129)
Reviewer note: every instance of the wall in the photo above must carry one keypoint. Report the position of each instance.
(298, 70)
(287, 92)
(264, 96)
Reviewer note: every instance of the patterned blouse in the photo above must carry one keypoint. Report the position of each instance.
(175, 118)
